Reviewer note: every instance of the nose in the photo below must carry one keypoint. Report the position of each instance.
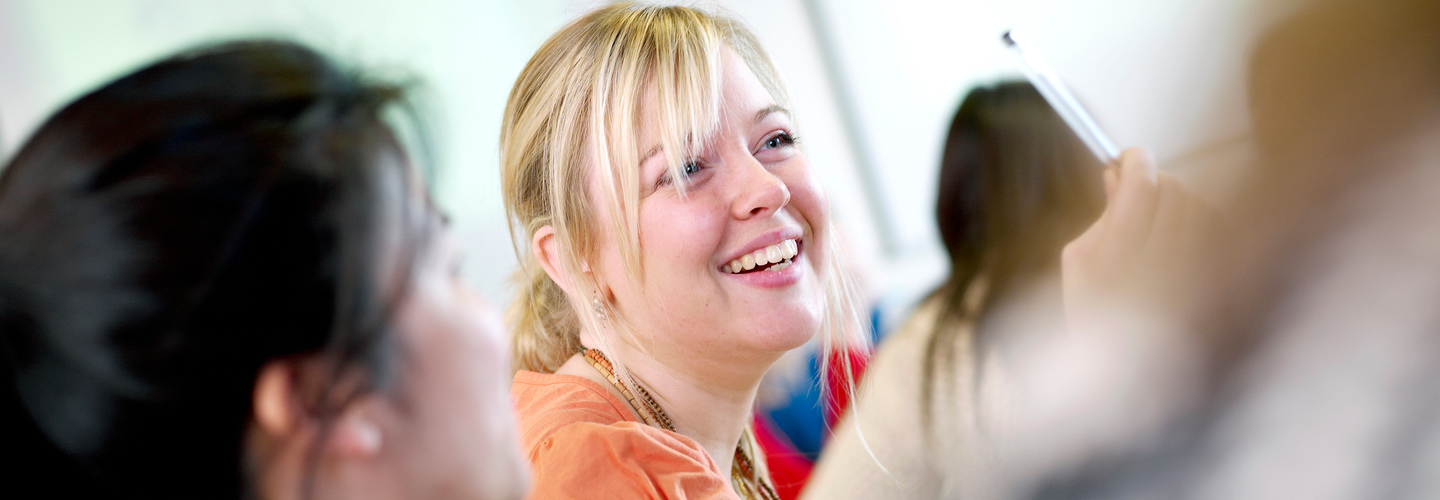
(759, 191)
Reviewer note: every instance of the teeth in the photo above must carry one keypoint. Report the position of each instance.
(778, 254)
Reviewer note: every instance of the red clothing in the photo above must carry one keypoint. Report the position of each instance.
(789, 468)
(584, 442)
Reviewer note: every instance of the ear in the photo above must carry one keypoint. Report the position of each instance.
(546, 249)
(276, 401)
(281, 413)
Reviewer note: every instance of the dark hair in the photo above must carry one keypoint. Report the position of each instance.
(168, 234)
(1016, 185)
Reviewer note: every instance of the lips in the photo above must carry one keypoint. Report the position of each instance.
(772, 258)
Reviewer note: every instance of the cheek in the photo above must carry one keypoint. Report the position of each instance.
(677, 244)
(680, 239)
(808, 198)
(811, 200)
(463, 431)
(456, 372)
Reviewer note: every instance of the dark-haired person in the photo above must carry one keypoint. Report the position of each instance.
(1015, 187)
(220, 277)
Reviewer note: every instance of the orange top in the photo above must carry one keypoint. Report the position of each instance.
(584, 442)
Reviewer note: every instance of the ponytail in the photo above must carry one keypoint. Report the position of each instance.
(546, 331)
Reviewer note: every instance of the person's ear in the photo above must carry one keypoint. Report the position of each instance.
(545, 245)
(281, 413)
(546, 249)
(278, 410)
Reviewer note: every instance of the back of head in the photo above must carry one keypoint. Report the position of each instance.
(166, 235)
(1015, 186)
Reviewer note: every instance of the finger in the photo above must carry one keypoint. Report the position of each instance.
(1132, 208)
(1139, 162)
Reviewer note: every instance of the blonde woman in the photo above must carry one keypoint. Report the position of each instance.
(675, 244)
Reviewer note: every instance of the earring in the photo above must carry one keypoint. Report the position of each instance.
(599, 309)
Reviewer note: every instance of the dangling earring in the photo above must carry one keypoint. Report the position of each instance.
(599, 309)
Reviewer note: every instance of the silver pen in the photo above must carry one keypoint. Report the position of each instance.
(1060, 98)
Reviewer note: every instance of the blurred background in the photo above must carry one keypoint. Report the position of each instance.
(876, 84)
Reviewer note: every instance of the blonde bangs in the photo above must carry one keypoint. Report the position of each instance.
(672, 54)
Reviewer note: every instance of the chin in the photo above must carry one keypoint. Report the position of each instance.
(797, 329)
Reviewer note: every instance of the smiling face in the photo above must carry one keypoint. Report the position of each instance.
(710, 286)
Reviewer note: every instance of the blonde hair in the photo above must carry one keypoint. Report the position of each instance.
(577, 105)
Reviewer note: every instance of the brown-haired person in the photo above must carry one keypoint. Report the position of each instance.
(676, 244)
(1294, 353)
(221, 277)
(1015, 186)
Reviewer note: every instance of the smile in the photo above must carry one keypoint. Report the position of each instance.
(773, 258)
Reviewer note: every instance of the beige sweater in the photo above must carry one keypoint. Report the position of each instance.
(951, 462)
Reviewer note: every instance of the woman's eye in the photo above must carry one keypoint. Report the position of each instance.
(689, 169)
(779, 140)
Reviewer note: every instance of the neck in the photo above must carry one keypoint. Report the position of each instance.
(708, 399)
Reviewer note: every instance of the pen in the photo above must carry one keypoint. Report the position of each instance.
(1059, 97)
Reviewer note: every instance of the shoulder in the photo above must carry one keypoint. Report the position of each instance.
(920, 324)
(548, 402)
(623, 460)
(900, 357)
(880, 448)
(624, 445)
(582, 440)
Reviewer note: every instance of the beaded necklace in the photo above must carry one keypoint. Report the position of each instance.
(744, 477)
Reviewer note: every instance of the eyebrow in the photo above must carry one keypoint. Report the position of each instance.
(759, 116)
(770, 110)
(650, 154)
(646, 157)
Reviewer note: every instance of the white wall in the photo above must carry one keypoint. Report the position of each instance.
(1164, 74)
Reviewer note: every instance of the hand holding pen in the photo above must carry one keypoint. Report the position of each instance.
(1151, 225)
(1045, 81)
